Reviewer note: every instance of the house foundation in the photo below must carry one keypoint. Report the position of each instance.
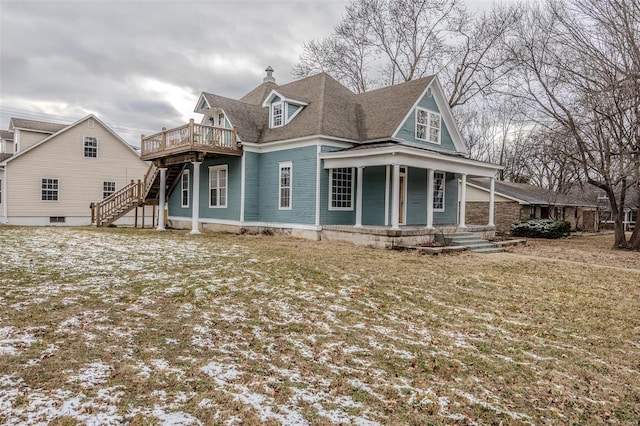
(370, 236)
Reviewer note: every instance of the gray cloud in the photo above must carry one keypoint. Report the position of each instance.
(67, 58)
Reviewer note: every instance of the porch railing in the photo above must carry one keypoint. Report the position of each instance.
(192, 134)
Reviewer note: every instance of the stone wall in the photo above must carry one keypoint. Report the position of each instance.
(505, 214)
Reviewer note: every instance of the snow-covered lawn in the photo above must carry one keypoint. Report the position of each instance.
(134, 326)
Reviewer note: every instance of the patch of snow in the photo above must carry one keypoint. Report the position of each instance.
(206, 403)
(472, 399)
(48, 352)
(284, 415)
(95, 374)
(220, 372)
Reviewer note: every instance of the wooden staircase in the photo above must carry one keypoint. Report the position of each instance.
(152, 180)
(135, 194)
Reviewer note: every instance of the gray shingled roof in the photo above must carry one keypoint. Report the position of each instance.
(249, 119)
(257, 95)
(6, 135)
(531, 194)
(384, 109)
(332, 110)
(41, 126)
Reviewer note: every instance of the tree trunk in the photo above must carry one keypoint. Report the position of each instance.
(618, 219)
(634, 241)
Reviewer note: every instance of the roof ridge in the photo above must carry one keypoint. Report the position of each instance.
(427, 78)
(229, 99)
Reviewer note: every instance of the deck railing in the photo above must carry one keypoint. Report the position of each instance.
(190, 135)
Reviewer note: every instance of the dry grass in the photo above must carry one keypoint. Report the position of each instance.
(115, 326)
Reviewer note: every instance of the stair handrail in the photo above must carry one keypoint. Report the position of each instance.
(117, 204)
(149, 178)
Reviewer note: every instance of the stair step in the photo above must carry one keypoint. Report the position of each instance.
(488, 250)
(474, 243)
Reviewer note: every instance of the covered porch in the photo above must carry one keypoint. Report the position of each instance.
(422, 191)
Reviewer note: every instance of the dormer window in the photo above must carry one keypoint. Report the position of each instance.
(277, 114)
(282, 109)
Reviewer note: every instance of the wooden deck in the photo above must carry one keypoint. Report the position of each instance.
(182, 143)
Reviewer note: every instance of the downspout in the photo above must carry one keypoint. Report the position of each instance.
(318, 172)
(5, 198)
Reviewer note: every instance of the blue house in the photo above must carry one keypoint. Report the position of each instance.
(314, 159)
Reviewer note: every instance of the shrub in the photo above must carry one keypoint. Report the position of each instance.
(541, 228)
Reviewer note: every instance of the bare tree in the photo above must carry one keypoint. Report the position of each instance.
(384, 42)
(495, 131)
(549, 167)
(577, 64)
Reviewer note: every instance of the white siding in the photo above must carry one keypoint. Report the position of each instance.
(80, 179)
(479, 195)
(28, 138)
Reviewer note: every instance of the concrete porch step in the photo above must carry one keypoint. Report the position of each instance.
(467, 239)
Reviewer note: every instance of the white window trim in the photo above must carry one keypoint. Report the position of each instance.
(226, 198)
(84, 141)
(188, 188)
(57, 190)
(115, 186)
(428, 132)
(283, 114)
(344, 209)
(281, 166)
(444, 189)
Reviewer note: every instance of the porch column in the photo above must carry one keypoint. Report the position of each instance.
(387, 178)
(492, 197)
(163, 188)
(463, 202)
(195, 207)
(395, 204)
(430, 175)
(359, 198)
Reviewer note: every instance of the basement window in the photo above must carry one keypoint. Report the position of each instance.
(56, 219)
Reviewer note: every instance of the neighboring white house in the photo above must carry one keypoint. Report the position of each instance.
(58, 170)
(6, 144)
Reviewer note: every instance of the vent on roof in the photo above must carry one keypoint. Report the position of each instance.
(269, 77)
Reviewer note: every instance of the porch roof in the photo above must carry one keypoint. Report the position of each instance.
(395, 153)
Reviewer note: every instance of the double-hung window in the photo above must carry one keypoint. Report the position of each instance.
(90, 147)
(427, 126)
(277, 114)
(184, 189)
(50, 189)
(438, 191)
(218, 186)
(108, 188)
(284, 186)
(341, 189)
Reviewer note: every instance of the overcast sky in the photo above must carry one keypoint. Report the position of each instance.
(140, 65)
